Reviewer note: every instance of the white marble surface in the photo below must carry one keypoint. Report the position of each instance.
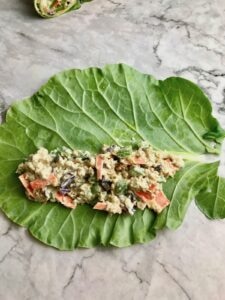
(166, 37)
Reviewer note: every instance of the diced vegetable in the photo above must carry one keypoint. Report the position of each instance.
(161, 199)
(64, 191)
(52, 179)
(65, 200)
(144, 196)
(110, 148)
(38, 184)
(136, 171)
(136, 160)
(155, 198)
(124, 152)
(100, 206)
(99, 166)
(105, 184)
(41, 183)
(67, 182)
(121, 187)
(26, 184)
(95, 189)
(158, 168)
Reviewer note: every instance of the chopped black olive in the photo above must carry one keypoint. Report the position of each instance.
(105, 184)
(95, 171)
(110, 149)
(158, 168)
(131, 195)
(56, 159)
(87, 176)
(115, 157)
(85, 158)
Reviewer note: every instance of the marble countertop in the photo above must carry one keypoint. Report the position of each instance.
(163, 38)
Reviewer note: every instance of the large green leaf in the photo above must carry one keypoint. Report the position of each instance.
(87, 108)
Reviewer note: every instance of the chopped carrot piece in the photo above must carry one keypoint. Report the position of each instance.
(156, 200)
(100, 206)
(38, 184)
(152, 187)
(161, 199)
(135, 160)
(26, 184)
(144, 196)
(52, 179)
(41, 183)
(65, 200)
(99, 166)
(138, 160)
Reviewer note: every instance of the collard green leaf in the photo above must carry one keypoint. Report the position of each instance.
(199, 181)
(210, 200)
(85, 109)
(55, 8)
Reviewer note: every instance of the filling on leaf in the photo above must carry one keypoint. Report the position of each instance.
(120, 179)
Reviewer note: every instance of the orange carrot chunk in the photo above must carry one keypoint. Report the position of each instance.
(99, 166)
(156, 199)
(100, 206)
(26, 184)
(138, 160)
(52, 179)
(144, 196)
(134, 160)
(65, 200)
(38, 184)
(161, 199)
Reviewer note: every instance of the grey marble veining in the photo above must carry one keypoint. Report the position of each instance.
(163, 38)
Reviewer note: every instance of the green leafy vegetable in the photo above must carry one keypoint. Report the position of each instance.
(85, 109)
(124, 152)
(136, 171)
(121, 187)
(55, 8)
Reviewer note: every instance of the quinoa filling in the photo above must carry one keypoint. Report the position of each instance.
(117, 180)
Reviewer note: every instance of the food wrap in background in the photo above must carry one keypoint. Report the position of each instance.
(55, 8)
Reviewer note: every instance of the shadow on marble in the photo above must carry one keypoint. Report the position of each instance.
(27, 8)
